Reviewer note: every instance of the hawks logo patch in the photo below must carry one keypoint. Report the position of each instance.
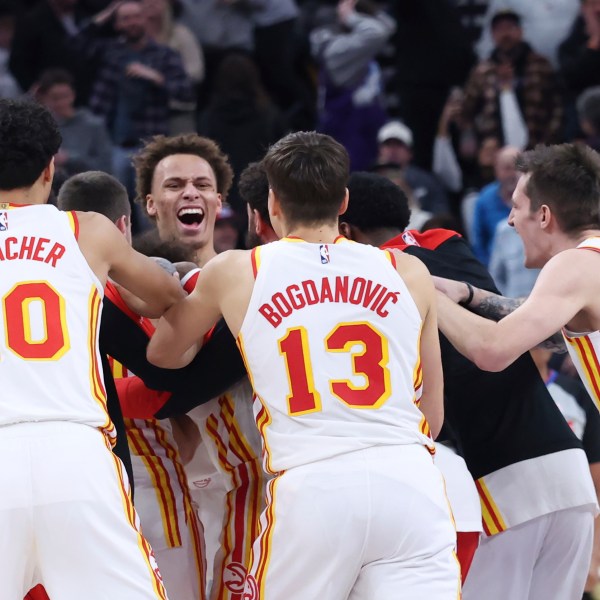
(251, 589)
(3, 221)
(234, 577)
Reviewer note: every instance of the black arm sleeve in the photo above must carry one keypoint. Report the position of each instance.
(215, 368)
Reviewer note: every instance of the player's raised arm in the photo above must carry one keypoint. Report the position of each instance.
(417, 278)
(109, 254)
(555, 299)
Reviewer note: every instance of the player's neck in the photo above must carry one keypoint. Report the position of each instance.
(319, 234)
(567, 241)
(32, 195)
(204, 254)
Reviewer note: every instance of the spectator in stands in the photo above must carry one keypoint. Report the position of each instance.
(86, 145)
(433, 54)
(165, 27)
(579, 54)
(545, 24)
(351, 107)
(42, 40)
(513, 95)
(579, 58)
(494, 203)
(9, 88)
(276, 44)
(395, 143)
(221, 27)
(134, 88)
(241, 118)
(588, 113)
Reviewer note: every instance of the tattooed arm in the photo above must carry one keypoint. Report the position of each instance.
(491, 306)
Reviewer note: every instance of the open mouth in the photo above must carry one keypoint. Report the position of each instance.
(191, 217)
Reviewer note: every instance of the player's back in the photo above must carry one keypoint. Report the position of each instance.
(51, 303)
(331, 342)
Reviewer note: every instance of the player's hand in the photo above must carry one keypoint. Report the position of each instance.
(457, 291)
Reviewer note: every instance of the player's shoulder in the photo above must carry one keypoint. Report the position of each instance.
(93, 223)
(407, 264)
(573, 262)
(228, 264)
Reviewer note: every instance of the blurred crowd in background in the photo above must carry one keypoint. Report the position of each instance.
(437, 95)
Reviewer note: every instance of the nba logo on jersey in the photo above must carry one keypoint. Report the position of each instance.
(409, 239)
(324, 251)
(3, 221)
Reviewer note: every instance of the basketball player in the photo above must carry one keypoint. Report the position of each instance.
(181, 182)
(162, 501)
(462, 494)
(65, 499)
(557, 214)
(355, 487)
(530, 471)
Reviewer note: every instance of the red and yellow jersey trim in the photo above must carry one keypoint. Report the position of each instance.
(493, 521)
(133, 519)
(263, 417)
(390, 256)
(591, 243)
(73, 223)
(13, 205)
(159, 476)
(588, 359)
(255, 260)
(266, 536)
(96, 382)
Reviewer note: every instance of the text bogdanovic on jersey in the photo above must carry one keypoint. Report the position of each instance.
(362, 332)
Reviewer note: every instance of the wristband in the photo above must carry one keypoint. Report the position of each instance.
(469, 298)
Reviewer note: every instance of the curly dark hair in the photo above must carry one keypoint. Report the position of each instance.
(254, 189)
(29, 138)
(161, 146)
(375, 202)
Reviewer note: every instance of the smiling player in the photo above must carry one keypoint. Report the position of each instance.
(180, 180)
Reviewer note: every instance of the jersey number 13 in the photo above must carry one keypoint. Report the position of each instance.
(370, 362)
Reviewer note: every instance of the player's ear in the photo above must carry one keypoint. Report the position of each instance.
(345, 229)
(344, 204)
(122, 224)
(273, 204)
(259, 223)
(546, 216)
(48, 172)
(150, 205)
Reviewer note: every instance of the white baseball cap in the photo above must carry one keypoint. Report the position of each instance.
(395, 130)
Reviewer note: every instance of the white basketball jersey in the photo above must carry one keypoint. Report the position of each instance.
(50, 367)
(331, 343)
(584, 348)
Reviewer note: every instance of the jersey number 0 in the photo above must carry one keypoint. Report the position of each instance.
(50, 340)
(370, 362)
